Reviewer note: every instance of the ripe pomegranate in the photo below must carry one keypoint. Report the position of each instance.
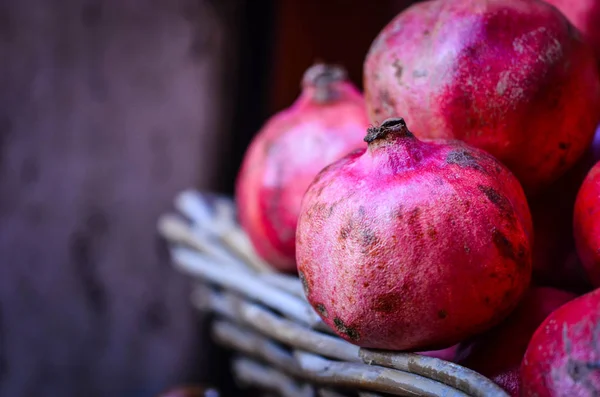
(497, 353)
(325, 123)
(555, 262)
(563, 356)
(586, 224)
(447, 354)
(584, 14)
(413, 245)
(512, 77)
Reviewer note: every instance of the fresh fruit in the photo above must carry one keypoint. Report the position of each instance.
(586, 224)
(326, 122)
(413, 245)
(555, 262)
(512, 77)
(497, 353)
(447, 354)
(563, 356)
(585, 15)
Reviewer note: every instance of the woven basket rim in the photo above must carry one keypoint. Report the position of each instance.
(281, 343)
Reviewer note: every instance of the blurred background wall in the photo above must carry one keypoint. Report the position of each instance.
(108, 108)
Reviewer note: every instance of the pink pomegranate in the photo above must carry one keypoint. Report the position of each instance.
(326, 122)
(447, 354)
(585, 15)
(563, 356)
(413, 245)
(586, 224)
(498, 353)
(512, 77)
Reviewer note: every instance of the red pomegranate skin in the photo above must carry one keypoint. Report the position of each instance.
(512, 77)
(563, 356)
(585, 16)
(413, 245)
(326, 122)
(555, 260)
(586, 224)
(498, 353)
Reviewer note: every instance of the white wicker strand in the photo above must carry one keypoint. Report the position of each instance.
(269, 324)
(233, 336)
(446, 372)
(285, 282)
(373, 378)
(177, 230)
(294, 334)
(252, 373)
(193, 205)
(243, 282)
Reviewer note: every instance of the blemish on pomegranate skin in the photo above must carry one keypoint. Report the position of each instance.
(442, 314)
(304, 282)
(495, 198)
(463, 159)
(398, 67)
(398, 213)
(322, 310)
(331, 209)
(388, 103)
(368, 238)
(419, 73)
(503, 244)
(387, 303)
(344, 232)
(342, 328)
(414, 216)
(319, 191)
(432, 233)
(361, 211)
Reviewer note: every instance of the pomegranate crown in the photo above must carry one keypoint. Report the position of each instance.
(390, 127)
(321, 74)
(322, 78)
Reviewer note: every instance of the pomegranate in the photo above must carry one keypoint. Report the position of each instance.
(563, 356)
(413, 245)
(512, 77)
(555, 262)
(585, 15)
(447, 354)
(497, 353)
(325, 123)
(586, 224)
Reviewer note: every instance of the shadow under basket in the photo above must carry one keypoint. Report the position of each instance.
(281, 345)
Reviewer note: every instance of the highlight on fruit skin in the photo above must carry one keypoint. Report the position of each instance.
(413, 245)
(326, 122)
(586, 224)
(511, 77)
(563, 356)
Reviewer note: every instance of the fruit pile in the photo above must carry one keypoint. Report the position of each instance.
(454, 209)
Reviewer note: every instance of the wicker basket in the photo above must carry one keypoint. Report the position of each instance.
(283, 346)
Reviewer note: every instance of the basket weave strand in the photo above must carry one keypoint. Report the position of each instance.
(281, 344)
